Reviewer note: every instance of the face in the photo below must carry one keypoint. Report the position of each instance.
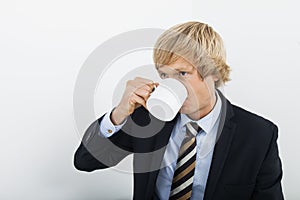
(201, 92)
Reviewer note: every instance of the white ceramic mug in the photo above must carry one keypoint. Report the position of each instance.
(166, 100)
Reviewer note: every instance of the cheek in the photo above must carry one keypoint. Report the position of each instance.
(196, 95)
(195, 89)
(193, 92)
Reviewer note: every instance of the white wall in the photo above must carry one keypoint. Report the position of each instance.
(45, 43)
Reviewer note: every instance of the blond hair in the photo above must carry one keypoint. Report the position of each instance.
(198, 44)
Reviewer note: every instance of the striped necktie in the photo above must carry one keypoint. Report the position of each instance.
(185, 167)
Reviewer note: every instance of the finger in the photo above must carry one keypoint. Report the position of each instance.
(142, 93)
(149, 86)
(143, 80)
(154, 86)
(137, 83)
(145, 91)
(135, 99)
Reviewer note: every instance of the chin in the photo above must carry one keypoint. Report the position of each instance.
(183, 110)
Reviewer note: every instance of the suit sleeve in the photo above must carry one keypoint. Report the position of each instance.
(97, 152)
(268, 182)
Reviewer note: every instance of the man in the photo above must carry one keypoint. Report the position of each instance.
(235, 152)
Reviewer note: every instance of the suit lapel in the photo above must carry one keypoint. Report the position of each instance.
(223, 141)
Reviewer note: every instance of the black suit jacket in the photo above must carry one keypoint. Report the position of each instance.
(245, 163)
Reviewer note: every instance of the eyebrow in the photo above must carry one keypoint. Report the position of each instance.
(184, 68)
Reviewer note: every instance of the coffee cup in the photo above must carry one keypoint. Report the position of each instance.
(166, 100)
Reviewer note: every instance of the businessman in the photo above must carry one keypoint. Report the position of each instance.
(211, 150)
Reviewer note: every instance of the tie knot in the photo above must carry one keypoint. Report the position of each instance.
(193, 128)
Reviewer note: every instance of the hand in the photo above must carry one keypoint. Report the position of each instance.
(136, 94)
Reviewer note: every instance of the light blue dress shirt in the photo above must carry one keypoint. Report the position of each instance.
(206, 139)
(107, 128)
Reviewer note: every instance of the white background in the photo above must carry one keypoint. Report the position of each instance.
(43, 45)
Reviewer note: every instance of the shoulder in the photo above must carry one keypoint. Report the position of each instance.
(251, 125)
(249, 118)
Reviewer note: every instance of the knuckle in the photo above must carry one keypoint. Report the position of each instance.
(148, 88)
(131, 96)
(128, 82)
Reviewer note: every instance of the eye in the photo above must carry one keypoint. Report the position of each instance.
(183, 73)
(163, 75)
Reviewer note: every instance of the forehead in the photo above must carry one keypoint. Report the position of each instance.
(178, 65)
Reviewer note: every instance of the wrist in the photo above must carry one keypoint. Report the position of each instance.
(117, 117)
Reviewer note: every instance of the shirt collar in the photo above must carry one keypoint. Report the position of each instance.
(208, 121)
